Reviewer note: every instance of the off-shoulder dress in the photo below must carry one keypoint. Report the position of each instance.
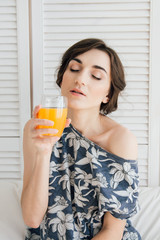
(85, 182)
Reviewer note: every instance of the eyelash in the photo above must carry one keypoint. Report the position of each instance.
(96, 77)
(72, 70)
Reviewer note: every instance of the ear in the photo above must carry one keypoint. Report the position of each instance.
(106, 99)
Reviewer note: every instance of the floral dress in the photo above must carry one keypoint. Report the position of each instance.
(85, 182)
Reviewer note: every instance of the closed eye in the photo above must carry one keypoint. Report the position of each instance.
(74, 70)
(96, 77)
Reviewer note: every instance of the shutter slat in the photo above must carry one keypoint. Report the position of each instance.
(142, 99)
(9, 112)
(8, 47)
(104, 35)
(9, 154)
(9, 105)
(9, 91)
(139, 91)
(7, 133)
(137, 78)
(6, 69)
(8, 33)
(8, 25)
(8, 62)
(5, 3)
(113, 42)
(96, 14)
(9, 98)
(11, 119)
(9, 9)
(7, 40)
(92, 1)
(133, 106)
(8, 17)
(92, 21)
(8, 55)
(132, 118)
(8, 160)
(8, 84)
(96, 7)
(11, 167)
(91, 29)
(10, 175)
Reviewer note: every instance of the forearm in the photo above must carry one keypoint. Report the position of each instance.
(34, 199)
(108, 234)
(112, 228)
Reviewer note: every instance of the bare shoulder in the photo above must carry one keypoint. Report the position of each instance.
(122, 142)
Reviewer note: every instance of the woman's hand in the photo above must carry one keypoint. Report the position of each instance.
(33, 137)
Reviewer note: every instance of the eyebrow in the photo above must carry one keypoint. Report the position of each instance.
(94, 66)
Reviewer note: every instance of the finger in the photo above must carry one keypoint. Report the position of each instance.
(39, 132)
(36, 110)
(51, 139)
(68, 121)
(43, 122)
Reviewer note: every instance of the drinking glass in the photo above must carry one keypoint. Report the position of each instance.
(54, 107)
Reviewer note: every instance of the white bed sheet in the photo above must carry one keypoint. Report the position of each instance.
(147, 221)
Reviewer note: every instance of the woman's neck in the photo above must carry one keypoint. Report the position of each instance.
(87, 122)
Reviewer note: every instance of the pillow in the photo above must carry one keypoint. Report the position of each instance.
(11, 222)
(147, 221)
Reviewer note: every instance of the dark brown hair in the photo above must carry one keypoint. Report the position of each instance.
(117, 71)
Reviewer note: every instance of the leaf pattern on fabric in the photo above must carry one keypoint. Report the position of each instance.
(62, 223)
(122, 172)
(85, 181)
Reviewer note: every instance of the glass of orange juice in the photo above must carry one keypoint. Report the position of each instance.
(54, 108)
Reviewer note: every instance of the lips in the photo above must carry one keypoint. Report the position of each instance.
(78, 91)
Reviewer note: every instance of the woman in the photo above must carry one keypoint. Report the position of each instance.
(92, 169)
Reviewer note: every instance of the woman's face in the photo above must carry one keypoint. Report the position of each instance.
(86, 81)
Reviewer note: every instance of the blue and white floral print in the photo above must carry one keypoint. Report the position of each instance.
(85, 182)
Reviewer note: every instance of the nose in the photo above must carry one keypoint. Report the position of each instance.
(82, 78)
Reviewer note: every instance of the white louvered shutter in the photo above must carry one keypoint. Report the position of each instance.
(14, 85)
(124, 25)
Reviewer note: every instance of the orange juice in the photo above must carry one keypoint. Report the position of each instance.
(57, 115)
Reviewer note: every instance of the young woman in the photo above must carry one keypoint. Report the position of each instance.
(85, 184)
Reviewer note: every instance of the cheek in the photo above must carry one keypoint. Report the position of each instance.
(66, 77)
(65, 83)
(102, 90)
